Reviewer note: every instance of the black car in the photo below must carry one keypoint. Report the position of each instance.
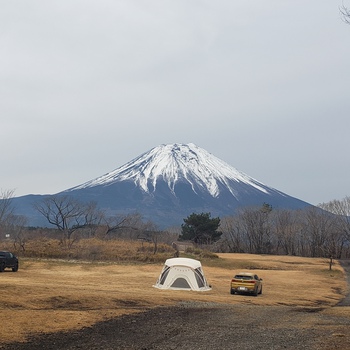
(8, 260)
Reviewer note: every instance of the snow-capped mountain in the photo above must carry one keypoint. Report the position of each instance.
(170, 182)
(175, 163)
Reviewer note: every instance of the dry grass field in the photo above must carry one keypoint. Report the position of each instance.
(53, 295)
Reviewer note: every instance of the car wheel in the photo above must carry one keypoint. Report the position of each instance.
(2, 267)
(255, 292)
(232, 291)
(15, 268)
(260, 290)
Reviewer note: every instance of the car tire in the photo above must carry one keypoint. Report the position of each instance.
(232, 291)
(2, 267)
(255, 292)
(15, 268)
(260, 291)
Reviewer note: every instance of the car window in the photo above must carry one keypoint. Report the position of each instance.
(244, 277)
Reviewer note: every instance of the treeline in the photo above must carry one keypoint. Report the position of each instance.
(71, 220)
(322, 231)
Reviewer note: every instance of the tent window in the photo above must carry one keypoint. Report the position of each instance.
(181, 283)
(164, 275)
(199, 278)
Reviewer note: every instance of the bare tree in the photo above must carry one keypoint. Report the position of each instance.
(341, 208)
(345, 13)
(16, 228)
(257, 225)
(68, 215)
(127, 224)
(6, 208)
(318, 225)
(341, 227)
(150, 233)
(285, 231)
(233, 235)
(287, 228)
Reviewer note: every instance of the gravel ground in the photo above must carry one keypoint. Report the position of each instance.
(206, 326)
(190, 326)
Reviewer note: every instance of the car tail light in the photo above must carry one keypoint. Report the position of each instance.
(241, 281)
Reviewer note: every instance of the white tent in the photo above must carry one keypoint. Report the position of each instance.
(182, 273)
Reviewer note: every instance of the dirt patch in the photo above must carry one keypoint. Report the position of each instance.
(204, 326)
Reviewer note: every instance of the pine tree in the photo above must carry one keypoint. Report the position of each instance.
(200, 229)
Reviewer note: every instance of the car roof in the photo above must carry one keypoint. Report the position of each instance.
(245, 274)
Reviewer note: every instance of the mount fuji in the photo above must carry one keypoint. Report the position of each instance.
(170, 182)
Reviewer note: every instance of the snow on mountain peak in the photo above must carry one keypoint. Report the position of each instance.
(174, 162)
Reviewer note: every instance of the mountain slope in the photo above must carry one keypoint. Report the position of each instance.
(169, 182)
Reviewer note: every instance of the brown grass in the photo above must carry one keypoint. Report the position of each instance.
(53, 295)
(93, 249)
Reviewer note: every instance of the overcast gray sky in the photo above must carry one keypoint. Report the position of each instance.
(86, 86)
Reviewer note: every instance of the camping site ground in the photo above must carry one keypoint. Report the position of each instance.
(69, 295)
